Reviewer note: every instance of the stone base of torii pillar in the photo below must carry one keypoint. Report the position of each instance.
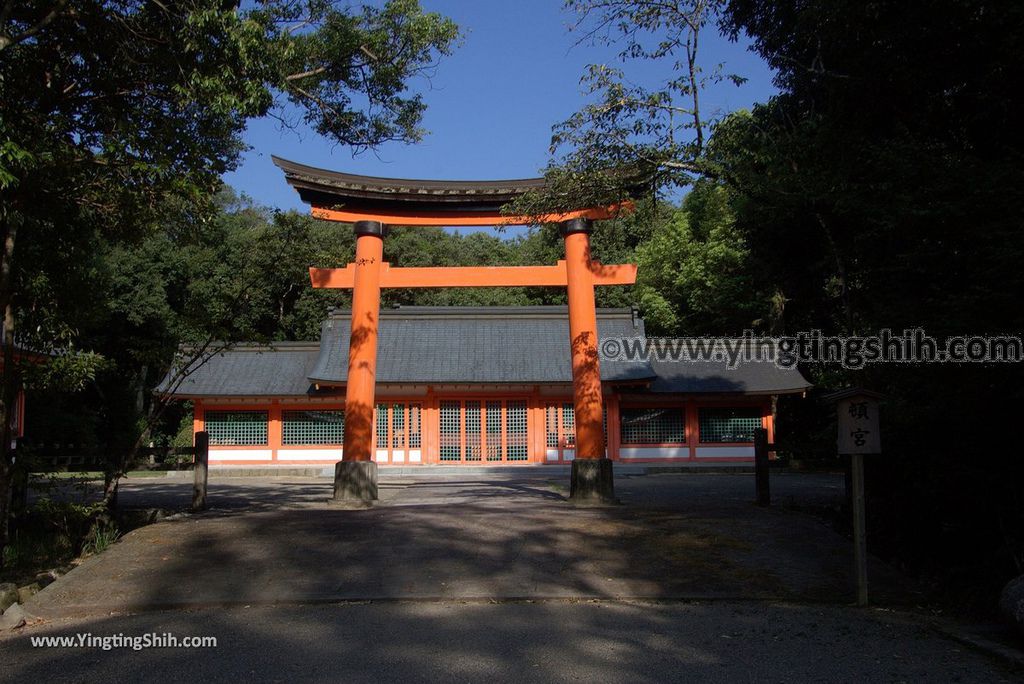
(592, 482)
(355, 484)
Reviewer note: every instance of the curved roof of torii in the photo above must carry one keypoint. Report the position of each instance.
(324, 188)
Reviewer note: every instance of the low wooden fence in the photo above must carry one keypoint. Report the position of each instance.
(70, 458)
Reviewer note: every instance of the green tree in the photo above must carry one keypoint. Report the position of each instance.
(424, 246)
(241, 275)
(643, 128)
(695, 274)
(116, 112)
(878, 190)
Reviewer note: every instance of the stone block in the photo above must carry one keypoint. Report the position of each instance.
(8, 595)
(28, 591)
(355, 482)
(1011, 603)
(592, 481)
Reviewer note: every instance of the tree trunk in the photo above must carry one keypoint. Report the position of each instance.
(841, 274)
(9, 388)
(9, 393)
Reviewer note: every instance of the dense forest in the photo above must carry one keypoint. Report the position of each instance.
(878, 189)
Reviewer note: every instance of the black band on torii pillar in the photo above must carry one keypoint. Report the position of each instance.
(576, 225)
(370, 228)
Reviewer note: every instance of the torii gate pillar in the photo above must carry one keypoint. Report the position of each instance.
(355, 476)
(592, 478)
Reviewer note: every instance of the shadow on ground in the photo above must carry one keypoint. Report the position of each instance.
(492, 579)
(269, 542)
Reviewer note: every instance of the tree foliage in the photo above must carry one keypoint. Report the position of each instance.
(696, 273)
(112, 111)
(117, 119)
(878, 191)
(638, 133)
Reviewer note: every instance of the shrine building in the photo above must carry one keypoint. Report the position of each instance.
(477, 386)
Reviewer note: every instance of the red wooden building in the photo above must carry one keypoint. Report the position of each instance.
(483, 386)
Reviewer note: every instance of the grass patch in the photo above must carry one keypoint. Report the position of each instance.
(101, 540)
(557, 487)
(53, 534)
(91, 475)
(31, 552)
(84, 476)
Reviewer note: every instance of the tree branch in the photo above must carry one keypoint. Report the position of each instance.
(305, 74)
(7, 41)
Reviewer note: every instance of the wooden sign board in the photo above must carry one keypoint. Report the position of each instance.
(859, 430)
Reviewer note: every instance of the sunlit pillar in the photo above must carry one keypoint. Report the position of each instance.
(591, 470)
(356, 475)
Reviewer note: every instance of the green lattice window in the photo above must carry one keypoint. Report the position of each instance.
(313, 427)
(475, 430)
(728, 424)
(415, 428)
(551, 417)
(450, 434)
(398, 426)
(236, 428)
(569, 425)
(652, 425)
(472, 419)
(381, 421)
(493, 419)
(517, 443)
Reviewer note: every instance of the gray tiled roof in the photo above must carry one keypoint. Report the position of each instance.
(475, 345)
(248, 370)
(701, 377)
(468, 345)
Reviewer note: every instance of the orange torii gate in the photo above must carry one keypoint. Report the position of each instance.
(371, 204)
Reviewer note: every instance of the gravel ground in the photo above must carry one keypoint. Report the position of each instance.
(476, 577)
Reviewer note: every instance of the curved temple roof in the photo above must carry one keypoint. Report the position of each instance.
(323, 188)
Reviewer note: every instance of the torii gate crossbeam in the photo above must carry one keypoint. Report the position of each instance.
(473, 276)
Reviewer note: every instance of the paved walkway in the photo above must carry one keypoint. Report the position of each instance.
(488, 578)
(278, 542)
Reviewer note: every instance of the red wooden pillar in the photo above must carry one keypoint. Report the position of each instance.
(362, 345)
(591, 470)
(355, 477)
(274, 428)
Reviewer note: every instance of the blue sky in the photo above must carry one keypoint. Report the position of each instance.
(491, 105)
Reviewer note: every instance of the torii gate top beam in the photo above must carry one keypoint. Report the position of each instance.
(347, 198)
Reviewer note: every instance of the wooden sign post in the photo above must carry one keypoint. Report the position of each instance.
(859, 434)
(202, 461)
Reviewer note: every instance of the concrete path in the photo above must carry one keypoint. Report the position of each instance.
(486, 578)
(506, 538)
